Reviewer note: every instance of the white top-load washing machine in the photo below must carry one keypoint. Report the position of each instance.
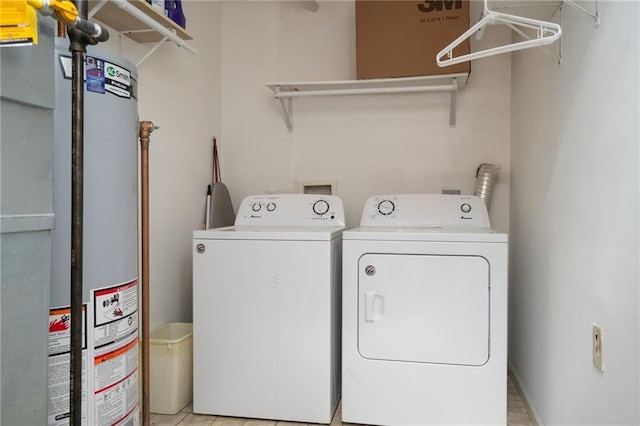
(424, 313)
(266, 310)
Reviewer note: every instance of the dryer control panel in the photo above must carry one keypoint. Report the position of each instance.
(291, 210)
(425, 211)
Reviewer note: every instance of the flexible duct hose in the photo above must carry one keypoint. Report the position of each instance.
(486, 177)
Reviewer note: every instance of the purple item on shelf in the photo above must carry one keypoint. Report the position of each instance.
(174, 12)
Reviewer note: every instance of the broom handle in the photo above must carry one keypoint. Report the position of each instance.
(216, 162)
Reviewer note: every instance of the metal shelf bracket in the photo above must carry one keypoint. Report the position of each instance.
(153, 49)
(595, 15)
(452, 104)
(287, 109)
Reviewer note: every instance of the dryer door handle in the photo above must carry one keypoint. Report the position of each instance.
(374, 306)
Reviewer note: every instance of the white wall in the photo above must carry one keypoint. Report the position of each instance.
(574, 220)
(370, 144)
(574, 206)
(179, 92)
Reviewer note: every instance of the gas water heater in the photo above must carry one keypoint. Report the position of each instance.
(110, 242)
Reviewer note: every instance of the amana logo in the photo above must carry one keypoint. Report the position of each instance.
(439, 5)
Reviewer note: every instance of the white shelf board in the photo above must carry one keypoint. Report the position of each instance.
(126, 24)
(141, 22)
(433, 83)
(403, 82)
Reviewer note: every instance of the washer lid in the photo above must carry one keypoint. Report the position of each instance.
(272, 233)
(447, 234)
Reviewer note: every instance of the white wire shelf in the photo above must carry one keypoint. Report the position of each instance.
(141, 22)
(433, 83)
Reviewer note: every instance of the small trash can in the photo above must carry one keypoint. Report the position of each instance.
(171, 367)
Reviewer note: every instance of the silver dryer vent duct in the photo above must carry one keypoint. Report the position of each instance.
(486, 177)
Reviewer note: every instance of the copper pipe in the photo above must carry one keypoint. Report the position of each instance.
(146, 127)
(61, 30)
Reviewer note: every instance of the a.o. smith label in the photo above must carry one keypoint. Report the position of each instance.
(117, 80)
(102, 76)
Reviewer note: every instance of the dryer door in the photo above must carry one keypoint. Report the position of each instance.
(424, 308)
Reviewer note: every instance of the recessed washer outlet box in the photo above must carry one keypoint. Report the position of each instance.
(322, 186)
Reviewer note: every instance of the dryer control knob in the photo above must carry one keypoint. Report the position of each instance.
(320, 207)
(256, 207)
(466, 208)
(271, 207)
(386, 207)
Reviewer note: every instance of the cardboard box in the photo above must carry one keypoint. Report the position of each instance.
(400, 38)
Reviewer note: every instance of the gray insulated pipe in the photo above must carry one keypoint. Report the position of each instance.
(486, 177)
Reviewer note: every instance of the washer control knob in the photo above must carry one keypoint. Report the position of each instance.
(466, 208)
(256, 207)
(386, 207)
(271, 207)
(320, 207)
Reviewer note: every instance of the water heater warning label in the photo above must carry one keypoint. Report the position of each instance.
(115, 366)
(115, 303)
(58, 395)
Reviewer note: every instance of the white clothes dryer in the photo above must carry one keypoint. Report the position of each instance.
(424, 313)
(266, 310)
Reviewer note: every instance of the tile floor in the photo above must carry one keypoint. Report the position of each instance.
(517, 415)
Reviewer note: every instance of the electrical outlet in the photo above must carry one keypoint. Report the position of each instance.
(598, 347)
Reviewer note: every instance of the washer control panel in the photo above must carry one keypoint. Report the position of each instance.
(425, 211)
(291, 210)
